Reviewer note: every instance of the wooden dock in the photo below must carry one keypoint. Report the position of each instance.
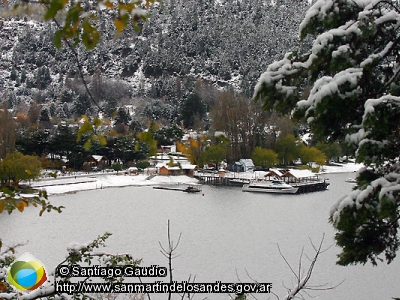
(310, 187)
(191, 188)
(218, 181)
(304, 187)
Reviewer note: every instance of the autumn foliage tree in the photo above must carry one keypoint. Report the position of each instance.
(266, 158)
(215, 154)
(331, 150)
(287, 148)
(16, 167)
(309, 155)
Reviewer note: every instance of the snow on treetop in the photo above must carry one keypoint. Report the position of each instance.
(327, 85)
(389, 186)
(325, 8)
(360, 137)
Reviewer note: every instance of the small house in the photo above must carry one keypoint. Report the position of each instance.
(185, 169)
(189, 169)
(167, 170)
(246, 165)
(235, 167)
(98, 161)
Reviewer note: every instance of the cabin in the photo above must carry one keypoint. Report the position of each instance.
(185, 169)
(189, 169)
(96, 161)
(246, 165)
(167, 171)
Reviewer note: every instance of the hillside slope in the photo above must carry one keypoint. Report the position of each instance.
(223, 43)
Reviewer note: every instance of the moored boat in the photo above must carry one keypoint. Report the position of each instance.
(191, 189)
(351, 180)
(270, 186)
(238, 182)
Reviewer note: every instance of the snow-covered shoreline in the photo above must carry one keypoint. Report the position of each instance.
(95, 181)
(92, 181)
(341, 168)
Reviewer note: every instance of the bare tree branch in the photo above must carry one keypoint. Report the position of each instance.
(303, 279)
(169, 254)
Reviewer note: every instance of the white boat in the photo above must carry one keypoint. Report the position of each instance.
(270, 186)
(351, 180)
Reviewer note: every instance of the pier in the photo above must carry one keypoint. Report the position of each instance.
(305, 186)
(218, 181)
(191, 188)
(311, 187)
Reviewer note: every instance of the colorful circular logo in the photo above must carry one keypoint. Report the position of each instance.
(26, 273)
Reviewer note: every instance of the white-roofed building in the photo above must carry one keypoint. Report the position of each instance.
(294, 175)
(247, 164)
(274, 173)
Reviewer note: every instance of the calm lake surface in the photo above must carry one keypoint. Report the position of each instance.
(227, 236)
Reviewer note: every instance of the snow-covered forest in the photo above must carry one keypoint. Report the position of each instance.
(184, 44)
(195, 64)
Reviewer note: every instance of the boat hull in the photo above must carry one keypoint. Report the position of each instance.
(269, 189)
(192, 190)
(238, 182)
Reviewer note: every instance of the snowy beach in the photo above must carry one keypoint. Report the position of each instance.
(70, 184)
(92, 181)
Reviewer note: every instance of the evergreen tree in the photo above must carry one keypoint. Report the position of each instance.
(35, 141)
(352, 74)
(81, 105)
(66, 110)
(13, 74)
(44, 118)
(43, 77)
(7, 132)
(23, 76)
(191, 109)
(168, 135)
(122, 117)
(60, 114)
(110, 106)
(52, 109)
(12, 100)
(33, 113)
(44, 115)
(67, 95)
(64, 144)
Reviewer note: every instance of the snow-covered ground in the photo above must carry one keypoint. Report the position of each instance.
(93, 181)
(341, 168)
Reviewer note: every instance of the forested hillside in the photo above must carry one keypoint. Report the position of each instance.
(184, 45)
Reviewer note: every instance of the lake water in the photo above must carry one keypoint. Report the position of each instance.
(227, 235)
